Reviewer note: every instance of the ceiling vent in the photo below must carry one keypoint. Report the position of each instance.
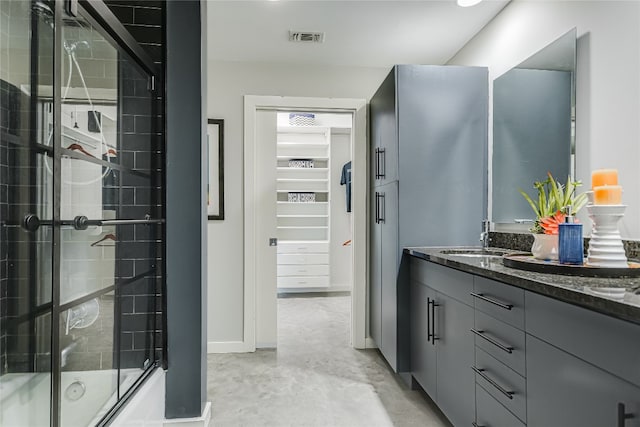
(306, 36)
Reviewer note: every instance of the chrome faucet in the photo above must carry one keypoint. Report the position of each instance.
(484, 236)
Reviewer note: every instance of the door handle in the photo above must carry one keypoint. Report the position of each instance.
(383, 162)
(434, 304)
(501, 346)
(377, 208)
(623, 416)
(377, 151)
(481, 372)
(383, 208)
(428, 319)
(491, 301)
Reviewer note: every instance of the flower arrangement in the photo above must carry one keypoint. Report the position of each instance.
(553, 199)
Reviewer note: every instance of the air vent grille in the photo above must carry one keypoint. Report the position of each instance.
(306, 36)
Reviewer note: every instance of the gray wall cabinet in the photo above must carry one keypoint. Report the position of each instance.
(540, 362)
(428, 133)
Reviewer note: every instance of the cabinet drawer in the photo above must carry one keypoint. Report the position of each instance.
(499, 300)
(302, 247)
(502, 341)
(303, 282)
(502, 381)
(303, 270)
(608, 343)
(490, 413)
(450, 282)
(303, 258)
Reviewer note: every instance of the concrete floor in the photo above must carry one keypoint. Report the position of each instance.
(314, 378)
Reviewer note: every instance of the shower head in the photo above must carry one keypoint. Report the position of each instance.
(41, 9)
(71, 46)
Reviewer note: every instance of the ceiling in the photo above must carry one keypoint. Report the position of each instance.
(357, 32)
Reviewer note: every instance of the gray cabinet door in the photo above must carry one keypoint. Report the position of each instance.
(375, 278)
(455, 353)
(384, 134)
(389, 264)
(564, 391)
(423, 352)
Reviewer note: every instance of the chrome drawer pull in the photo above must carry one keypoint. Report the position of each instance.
(501, 346)
(492, 301)
(480, 372)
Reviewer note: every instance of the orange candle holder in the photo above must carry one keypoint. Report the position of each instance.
(607, 195)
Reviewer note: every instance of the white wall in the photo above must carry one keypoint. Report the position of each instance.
(607, 79)
(227, 84)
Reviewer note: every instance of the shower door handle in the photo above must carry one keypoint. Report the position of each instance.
(81, 222)
(32, 223)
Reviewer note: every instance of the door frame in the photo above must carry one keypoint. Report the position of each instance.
(359, 156)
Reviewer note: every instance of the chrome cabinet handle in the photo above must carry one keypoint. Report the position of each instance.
(492, 301)
(501, 346)
(623, 416)
(383, 210)
(481, 372)
(383, 152)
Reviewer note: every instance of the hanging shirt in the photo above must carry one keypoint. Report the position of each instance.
(345, 179)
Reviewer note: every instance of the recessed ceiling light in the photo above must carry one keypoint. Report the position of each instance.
(467, 3)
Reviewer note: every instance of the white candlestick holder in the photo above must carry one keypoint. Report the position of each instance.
(605, 246)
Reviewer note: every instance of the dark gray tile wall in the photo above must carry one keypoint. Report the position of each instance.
(140, 248)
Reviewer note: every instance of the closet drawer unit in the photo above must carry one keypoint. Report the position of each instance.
(303, 247)
(502, 341)
(504, 302)
(303, 282)
(490, 413)
(501, 382)
(303, 270)
(288, 259)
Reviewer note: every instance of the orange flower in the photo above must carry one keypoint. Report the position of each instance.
(550, 223)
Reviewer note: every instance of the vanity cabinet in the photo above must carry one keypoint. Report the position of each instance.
(441, 342)
(565, 391)
(428, 136)
(583, 368)
(494, 355)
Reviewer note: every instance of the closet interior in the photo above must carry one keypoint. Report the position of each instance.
(314, 223)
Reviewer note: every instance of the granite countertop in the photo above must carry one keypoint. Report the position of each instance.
(603, 295)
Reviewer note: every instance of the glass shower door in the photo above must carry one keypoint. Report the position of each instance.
(81, 184)
(108, 210)
(26, 194)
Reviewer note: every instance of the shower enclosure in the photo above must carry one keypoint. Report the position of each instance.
(81, 214)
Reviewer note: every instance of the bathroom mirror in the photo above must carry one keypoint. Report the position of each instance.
(533, 129)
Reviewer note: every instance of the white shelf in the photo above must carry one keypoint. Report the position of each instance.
(303, 216)
(302, 157)
(303, 144)
(302, 227)
(303, 129)
(291, 169)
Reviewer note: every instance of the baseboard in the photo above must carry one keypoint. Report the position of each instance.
(228, 347)
(266, 345)
(370, 343)
(201, 421)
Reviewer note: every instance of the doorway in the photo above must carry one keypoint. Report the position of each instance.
(302, 219)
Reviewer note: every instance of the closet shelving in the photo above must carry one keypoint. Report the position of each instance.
(303, 226)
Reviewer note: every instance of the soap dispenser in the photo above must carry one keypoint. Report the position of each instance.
(570, 243)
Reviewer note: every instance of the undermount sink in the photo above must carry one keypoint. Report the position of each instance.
(474, 252)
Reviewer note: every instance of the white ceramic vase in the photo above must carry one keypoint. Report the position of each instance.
(545, 246)
(605, 246)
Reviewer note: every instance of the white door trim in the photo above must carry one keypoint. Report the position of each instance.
(358, 203)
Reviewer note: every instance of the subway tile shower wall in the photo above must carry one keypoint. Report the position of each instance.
(140, 248)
